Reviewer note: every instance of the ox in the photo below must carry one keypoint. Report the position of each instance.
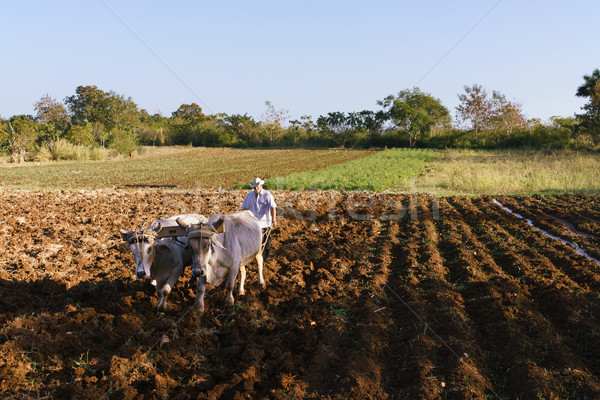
(161, 259)
(221, 248)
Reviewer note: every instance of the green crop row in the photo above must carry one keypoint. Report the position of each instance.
(393, 168)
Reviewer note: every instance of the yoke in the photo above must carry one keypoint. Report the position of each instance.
(168, 228)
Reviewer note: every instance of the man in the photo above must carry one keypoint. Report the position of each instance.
(263, 206)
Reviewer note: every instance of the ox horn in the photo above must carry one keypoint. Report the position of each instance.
(125, 234)
(219, 225)
(181, 223)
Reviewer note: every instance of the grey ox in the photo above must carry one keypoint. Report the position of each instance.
(222, 247)
(161, 259)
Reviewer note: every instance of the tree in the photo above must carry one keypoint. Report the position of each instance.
(563, 122)
(370, 121)
(306, 123)
(587, 89)
(590, 120)
(414, 112)
(189, 112)
(495, 112)
(474, 107)
(22, 135)
(4, 133)
(243, 127)
(54, 114)
(82, 135)
(87, 105)
(273, 121)
(302, 132)
(337, 127)
(506, 115)
(105, 110)
(121, 113)
(155, 128)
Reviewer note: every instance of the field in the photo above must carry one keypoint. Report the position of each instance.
(185, 167)
(376, 296)
(438, 172)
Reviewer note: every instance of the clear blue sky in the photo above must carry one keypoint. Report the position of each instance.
(307, 57)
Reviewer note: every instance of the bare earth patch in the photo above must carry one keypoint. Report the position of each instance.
(368, 296)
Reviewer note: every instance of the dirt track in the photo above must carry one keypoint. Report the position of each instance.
(354, 280)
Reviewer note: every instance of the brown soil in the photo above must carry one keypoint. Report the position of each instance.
(368, 297)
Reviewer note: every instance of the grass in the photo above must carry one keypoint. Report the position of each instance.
(511, 172)
(397, 168)
(62, 149)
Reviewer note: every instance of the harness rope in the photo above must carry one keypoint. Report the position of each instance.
(266, 236)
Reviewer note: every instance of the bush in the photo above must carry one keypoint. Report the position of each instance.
(541, 137)
(62, 149)
(123, 142)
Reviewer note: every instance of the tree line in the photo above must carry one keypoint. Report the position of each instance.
(410, 118)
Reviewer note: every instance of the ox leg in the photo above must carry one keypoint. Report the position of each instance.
(231, 282)
(259, 263)
(160, 283)
(163, 296)
(161, 300)
(167, 287)
(199, 303)
(242, 279)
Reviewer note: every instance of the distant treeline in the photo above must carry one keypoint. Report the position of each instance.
(411, 118)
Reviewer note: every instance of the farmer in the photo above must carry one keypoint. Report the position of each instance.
(262, 205)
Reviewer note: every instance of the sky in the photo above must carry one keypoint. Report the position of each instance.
(305, 57)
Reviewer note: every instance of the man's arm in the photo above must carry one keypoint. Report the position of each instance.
(245, 203)
(274, 215)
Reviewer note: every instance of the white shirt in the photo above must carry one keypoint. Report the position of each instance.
(260, 206)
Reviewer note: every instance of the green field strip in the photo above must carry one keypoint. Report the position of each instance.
(393, 168)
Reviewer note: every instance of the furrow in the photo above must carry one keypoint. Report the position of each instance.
(482, 284)
(524, 307)
(554, 225)
(443, 360)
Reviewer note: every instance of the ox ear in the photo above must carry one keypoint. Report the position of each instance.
(162, 248)
(181, 223)
(215, 242)
(219, 225)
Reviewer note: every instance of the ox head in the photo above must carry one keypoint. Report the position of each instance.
(202, 238)
(141, 243)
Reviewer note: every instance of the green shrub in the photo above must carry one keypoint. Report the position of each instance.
(123, 142)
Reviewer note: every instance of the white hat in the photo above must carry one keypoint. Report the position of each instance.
(257, 182)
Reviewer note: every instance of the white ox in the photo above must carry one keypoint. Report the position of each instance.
(161, 259)
(222, 247)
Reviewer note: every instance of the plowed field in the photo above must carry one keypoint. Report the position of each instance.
(368, 296)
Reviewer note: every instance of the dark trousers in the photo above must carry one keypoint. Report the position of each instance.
(267, 248)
